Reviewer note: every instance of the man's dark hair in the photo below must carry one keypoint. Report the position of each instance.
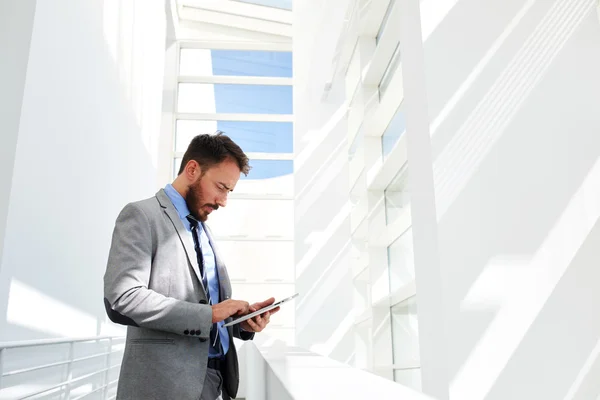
(210, 150)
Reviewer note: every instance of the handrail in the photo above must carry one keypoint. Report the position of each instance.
(67, 384)
(45, 342)
(57, 364)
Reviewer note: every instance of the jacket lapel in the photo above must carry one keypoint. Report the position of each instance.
(224, 282)
(183, 234)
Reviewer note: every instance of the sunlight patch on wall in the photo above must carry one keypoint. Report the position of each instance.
(462, 157)
(519, 288)
(336, 337)
(32, 309)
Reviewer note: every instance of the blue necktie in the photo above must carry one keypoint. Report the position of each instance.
(214, 332)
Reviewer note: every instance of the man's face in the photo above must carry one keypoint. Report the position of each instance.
(210, 191)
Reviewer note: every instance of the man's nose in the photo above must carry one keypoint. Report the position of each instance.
(222, 201)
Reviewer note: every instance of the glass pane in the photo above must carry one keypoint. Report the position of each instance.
(390, 71)
(397, 196)
(259, 137)
(284, 4)
(186, 130)
(405, 333)
(277, 187)
(206, 62)
(409, 377)
(401, 261)
(256, 260)
(226, 98)
(386, 17)
(255, 218)
(393, 132)
(266, 169)
(356, 144)
(176, 165)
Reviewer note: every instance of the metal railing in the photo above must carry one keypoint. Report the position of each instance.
(65, 386)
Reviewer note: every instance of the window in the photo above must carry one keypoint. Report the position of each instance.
(255, 218)
(206, 62)
(284, 4)
(357, 143)
(256, 261)
(393, 132)
(397, 196)
(232, 98)
(266, 90)
(258, 137)
(265, 169)
(405, 343)
(261, 169)
(185, 131)
(384, 22)
(176, 165)
(389, 71)
(401, 263)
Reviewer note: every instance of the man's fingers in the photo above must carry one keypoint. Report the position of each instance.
(255, 327)
(265, 303)
(273, 311)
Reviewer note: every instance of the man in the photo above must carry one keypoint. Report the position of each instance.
(166, 281)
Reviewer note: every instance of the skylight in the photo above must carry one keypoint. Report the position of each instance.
(283, 4)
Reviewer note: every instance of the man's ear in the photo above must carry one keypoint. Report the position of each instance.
(193, 171)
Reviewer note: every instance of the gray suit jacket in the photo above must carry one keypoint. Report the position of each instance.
(152, 284)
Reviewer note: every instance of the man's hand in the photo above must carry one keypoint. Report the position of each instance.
(258, 323)
(227, 308)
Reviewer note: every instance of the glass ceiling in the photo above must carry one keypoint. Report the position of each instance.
(283, 4)
(267, 17)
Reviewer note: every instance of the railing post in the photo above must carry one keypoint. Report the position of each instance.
(256, 373)
(1, 365)
(70, 370)
(107, 366)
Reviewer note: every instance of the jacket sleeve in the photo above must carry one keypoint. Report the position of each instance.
(127, 299)
(241, 334)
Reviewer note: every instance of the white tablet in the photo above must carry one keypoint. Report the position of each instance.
(262, 310)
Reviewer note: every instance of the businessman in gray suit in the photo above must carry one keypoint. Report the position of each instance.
(166, 281)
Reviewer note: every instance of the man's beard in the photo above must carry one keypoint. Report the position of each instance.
(195, 202)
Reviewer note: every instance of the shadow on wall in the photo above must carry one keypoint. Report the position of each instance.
(81, 156)
(516, 149)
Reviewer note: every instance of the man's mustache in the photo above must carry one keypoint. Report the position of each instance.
(213, 206)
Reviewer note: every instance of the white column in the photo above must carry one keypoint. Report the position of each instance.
(434, 373)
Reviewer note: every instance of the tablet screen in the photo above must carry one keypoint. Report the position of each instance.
(262, 310)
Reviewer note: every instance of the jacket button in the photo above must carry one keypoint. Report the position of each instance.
(202, 339)
(192, 332)
(203, 301)
(197, 332)
(186, 332)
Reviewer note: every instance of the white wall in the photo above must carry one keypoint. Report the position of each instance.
(513, 89)
(86, 143)
(16, 21)
(322, 226)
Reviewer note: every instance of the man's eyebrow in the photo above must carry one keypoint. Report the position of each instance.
(226, 187)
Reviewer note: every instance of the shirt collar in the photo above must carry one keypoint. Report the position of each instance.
(178, 201)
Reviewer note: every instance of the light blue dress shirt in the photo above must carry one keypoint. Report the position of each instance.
(210, 264)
